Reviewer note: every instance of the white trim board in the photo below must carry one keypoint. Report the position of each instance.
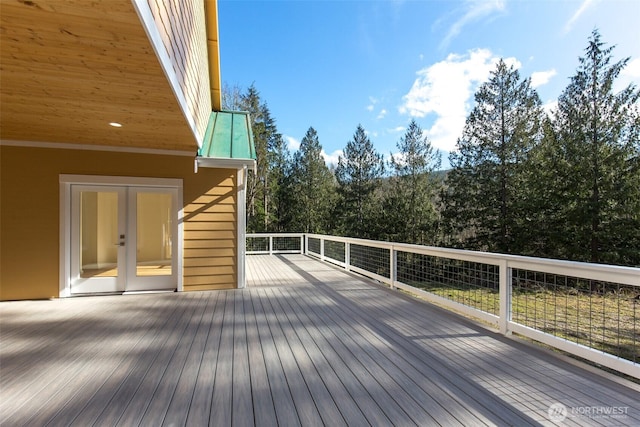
(225, 163)
(241, 183)
(86, 147)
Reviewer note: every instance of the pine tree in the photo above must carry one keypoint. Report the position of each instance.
(409, 205)
(259, 184)
(358, 174)
(485, 187)
(279, 184)
(312, 188)
(541, 220)
(594, 158)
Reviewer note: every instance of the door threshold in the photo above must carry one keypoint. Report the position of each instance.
(94, 294)
(157, 291)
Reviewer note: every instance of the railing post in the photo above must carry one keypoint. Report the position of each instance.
(322, 249)
(270, 245)
(393, 267)
(505, 297)
(347, 256)
(302, 244)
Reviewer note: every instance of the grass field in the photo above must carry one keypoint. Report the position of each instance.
(608, 321)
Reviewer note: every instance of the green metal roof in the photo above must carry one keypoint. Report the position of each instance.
(228, 137)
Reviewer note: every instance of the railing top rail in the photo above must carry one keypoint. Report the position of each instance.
(584, 270)
(252, 235)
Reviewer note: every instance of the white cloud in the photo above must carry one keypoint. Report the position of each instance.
(382, 113)
(586, 4)
(629, 75)
(473, 10)
(446, 90)
(632, 70)
(540, 78)
(331, 159)
(292, 143)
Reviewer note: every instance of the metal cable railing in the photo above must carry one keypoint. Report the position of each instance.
(469, 283)
(274, 243)
(593, 313)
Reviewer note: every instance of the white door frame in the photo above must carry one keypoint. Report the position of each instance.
(66, 181)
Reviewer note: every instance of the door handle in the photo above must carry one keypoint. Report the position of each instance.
(119, 244)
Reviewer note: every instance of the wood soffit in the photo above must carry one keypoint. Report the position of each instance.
(70, 67)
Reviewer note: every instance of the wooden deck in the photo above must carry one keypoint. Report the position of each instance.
(304, 344)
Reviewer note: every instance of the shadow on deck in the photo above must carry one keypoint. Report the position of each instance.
(304, 344)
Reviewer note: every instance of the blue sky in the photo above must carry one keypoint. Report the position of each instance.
(336, 64)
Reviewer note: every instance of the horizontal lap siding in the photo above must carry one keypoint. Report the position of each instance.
(30, 215)
(181, 24)
(210, 238)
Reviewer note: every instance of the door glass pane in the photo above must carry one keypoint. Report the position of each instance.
(98, 234)
(154, 239)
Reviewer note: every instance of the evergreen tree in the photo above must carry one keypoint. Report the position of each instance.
(280, 185)
(358, 174)
(593, 159)
(544, 228)
(409, 207)
(312, 188)
(259, 184)
(485, 188)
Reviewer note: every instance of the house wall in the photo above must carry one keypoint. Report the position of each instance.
(181, 25)
(30, 210)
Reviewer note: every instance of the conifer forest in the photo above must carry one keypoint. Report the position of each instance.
(563, 184)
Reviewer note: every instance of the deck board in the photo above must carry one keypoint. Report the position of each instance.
(203, 389)
(285, 410)
(320, 395)
(305, 344)
(143, 356)
(300, 393)
(409, 381)
(263, 403)
(242, 404)
(156, 386)
(222, 404)
(176, 369)
(333, 372)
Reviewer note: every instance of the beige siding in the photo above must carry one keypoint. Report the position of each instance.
(30, 215)
(181, 24)
(210, 251)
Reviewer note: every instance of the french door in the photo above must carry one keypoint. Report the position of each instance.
(123, 238)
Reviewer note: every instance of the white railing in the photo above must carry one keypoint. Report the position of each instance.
(282, 243)
(589, 310)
